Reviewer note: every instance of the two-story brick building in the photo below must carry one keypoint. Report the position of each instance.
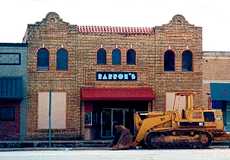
(101, 75)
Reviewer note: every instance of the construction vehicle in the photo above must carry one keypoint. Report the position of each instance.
(194, 127)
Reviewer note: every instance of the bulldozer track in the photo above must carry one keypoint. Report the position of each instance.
(178, 139)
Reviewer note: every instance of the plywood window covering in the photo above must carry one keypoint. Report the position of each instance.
(179, 104)
(58, 110)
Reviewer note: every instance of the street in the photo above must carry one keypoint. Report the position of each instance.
(209, 154)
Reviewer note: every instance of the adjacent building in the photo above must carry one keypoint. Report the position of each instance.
(216, 82)
(13, 89)
(95, 76)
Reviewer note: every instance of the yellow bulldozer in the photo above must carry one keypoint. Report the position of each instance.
(192, 126)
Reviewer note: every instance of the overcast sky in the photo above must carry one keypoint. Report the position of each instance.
(212, 15)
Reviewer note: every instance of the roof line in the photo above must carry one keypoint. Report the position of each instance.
(13, 44)
(115, 29)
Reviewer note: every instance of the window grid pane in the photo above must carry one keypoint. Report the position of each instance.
(62, 59)
(186, 61)
(43, 59)
(101, 56)
(131, 57)
(169, 61)
(116, 57)
(7, 113)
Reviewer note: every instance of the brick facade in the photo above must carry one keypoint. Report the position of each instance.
(82, 43)
(215, 70)
(52, 35)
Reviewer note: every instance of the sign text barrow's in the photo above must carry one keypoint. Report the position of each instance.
(116, 76)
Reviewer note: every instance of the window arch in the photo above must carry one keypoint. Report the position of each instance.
(187, 61)
(43, 59)
(62, 59)
(116, 56)
(131, 56)
(169, 61)
(101, 56)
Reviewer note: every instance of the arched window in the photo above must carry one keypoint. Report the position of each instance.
(62, 59)
(116, 56)
(101, 56)
(43, 59)
(131, 56)
(187, 61)
(169, 61)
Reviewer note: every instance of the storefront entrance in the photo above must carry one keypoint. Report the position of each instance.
(103, 107)
(220, 95)
(111, 116)
(106, 114)
(9, 120)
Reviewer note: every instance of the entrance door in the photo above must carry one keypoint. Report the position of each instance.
(109, 117)
(118, 117)
(9, 122)
(106, 125)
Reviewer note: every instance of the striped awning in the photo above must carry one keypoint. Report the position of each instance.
(11, 88)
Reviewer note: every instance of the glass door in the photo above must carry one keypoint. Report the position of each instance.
(106, 123)
(118, 117)
(111, 116)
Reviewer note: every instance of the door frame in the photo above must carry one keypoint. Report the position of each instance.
(111, 121)
(16, 105)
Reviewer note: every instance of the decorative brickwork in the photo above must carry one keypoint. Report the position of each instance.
(82, 44)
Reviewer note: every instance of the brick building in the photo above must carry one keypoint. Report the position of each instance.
(13, 89)
(100, 75)
(216, 82)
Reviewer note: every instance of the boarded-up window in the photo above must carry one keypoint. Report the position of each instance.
(58, 110)
(180, 102)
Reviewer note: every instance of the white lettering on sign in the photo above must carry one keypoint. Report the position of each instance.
(120, 76)
(133, 76)
(110, 76)
(99, 76)
(116, 76)
(126, 76)
(104, 77)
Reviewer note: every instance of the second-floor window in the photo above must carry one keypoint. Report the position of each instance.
(62, 59)
(116, 57)
(187, 61)
(169, 61)
(131, 57)
(101, 56)
(43, 59)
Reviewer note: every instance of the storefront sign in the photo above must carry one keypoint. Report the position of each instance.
(116, 76)
(10, 58)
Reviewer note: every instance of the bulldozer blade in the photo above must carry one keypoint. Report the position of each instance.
(125, 140)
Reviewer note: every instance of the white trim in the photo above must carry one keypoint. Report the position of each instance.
(215, 81)
(217, 57)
